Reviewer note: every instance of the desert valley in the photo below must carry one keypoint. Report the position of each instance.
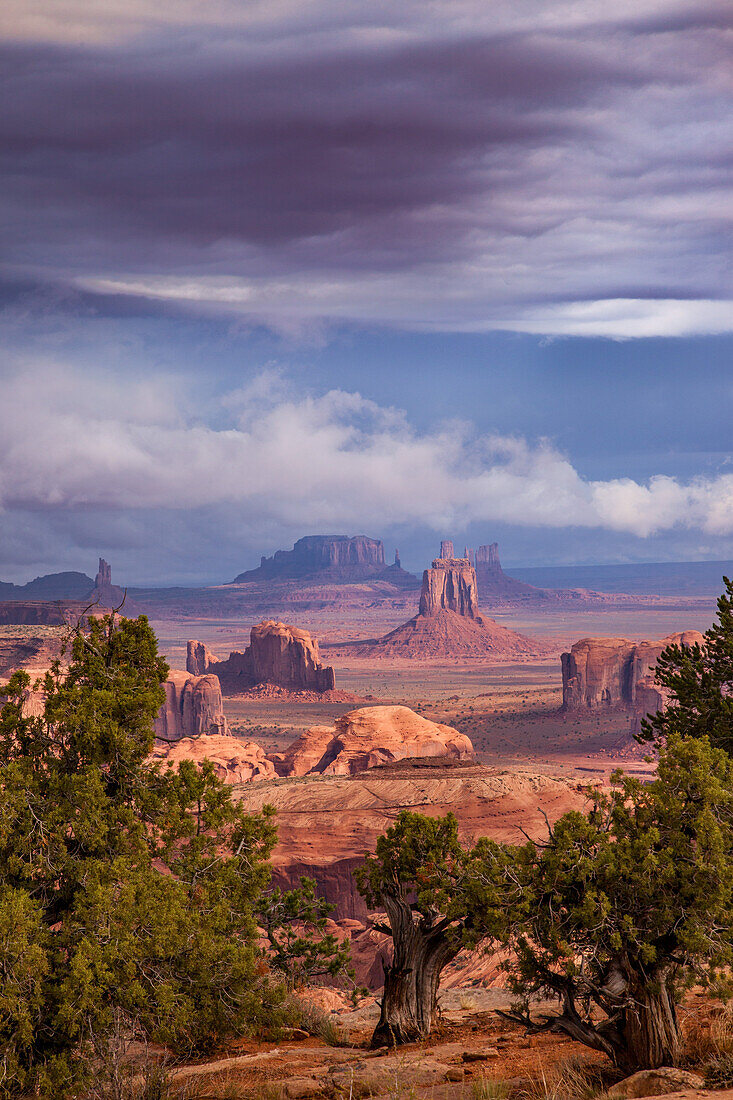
(342, 692)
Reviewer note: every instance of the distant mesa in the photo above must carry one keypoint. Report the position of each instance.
(367, 738)
(277, 654)
(336, 558)
(614, 672)
(58, 599)
(448, 623)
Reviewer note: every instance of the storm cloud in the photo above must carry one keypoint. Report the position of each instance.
(421, 167)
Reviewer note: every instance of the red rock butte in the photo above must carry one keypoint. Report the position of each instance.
(448, 623)
(614, 672)
(286, 656)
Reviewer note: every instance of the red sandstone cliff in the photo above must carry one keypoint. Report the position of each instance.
(450, 585)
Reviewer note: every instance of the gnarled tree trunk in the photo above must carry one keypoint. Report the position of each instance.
(650, 1029)
(421, 949)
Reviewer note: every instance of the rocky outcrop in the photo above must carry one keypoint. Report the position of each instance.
(106, 593)
(45, 612)
(234, 760)
(326, 823)
(199, 658)
(368, 737)
(449, 585)
(611, 672)
(193, 707)
(277, 654)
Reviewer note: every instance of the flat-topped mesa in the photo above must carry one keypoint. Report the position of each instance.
(277, 654)
(611, 671)
(449, 585)
(339, 556)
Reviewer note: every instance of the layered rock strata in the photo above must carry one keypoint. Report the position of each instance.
(449, 585)
(277, 654)
(367, 737)
(601, 672)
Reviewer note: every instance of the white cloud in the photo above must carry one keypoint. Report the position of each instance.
(73, 441)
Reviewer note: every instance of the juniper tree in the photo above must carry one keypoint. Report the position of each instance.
(124, 891)
(699, 680)
(439, 897)
(627, 905)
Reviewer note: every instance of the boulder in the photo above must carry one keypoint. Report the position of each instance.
(234, 760)
(277, 654)
(655, 1082)
(193, 706)
(370, 736)
(611, 671)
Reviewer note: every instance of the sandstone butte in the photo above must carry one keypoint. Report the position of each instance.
(368, 737)
(448, 623)
(615, 672)
(193, 707)
(277, 654)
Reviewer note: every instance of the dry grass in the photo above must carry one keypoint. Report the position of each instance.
(571, 1080)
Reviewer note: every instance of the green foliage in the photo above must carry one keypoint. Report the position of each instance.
(421, 859)
(125, 892)
(700, 682)
(626, 905)
(295, 925)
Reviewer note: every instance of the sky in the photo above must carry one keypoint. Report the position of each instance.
(412, 270)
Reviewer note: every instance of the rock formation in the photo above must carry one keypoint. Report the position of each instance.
(52, 586)
(451, 585)
(608, 671)
(448, 623)
(193, 707)
(277, 654)
(108, 594)
(358, 556)
(234, 760)
(199, 658)
(44, 612)
(368, 737)
(326, 823)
